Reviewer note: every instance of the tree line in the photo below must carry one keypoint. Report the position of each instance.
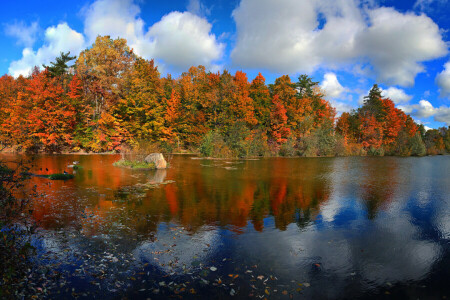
(112, 100)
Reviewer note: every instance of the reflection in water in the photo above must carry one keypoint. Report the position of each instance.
(346, 226)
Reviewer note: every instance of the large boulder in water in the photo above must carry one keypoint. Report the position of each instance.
(157, 159)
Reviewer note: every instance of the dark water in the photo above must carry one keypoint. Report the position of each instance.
(322, 228)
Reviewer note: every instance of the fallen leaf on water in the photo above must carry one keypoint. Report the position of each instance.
(284, 292)
(267, 292)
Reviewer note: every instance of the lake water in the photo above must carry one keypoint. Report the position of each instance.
(315, 228)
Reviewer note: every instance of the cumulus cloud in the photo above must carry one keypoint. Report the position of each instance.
(184, 39)
(443, 81)
(395, 94)
(305, 35)
(331, 86)
(25, 34)
(396, 43)
(179, 40)
(425, 110)
(334, 92)
(57, 38)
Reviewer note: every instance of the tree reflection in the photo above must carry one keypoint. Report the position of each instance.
(378, 183)
(230, 194)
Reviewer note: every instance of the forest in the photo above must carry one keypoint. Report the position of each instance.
(112, 100)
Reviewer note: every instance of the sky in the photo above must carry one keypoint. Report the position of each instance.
(345, 45)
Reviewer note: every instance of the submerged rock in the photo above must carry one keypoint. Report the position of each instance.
(157, 159)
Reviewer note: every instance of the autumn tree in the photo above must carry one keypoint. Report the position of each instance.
(140, 111)
(260, 94)
(172, 116)
(104, 69)
(242, 106)
(278, 127)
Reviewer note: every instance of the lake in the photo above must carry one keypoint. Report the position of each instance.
(281, 228)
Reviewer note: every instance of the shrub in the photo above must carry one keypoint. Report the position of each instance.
(417, 146)
(321, 142)
(134, 164)
(340, 147)
(213, 145)
(288, 148)
(61, 176)
(375, 151)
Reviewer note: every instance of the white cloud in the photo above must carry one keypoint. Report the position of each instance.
(57, 38)
(293, 41)
(333, 91)
(425, 110)
(331, 86)
(184, 40)
(443, 81)
(179, 39)
(341, 106)
(25, 35)
(395, 94)
(396, 43)
(117, 18)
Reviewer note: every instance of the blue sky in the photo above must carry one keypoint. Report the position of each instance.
(346, 45)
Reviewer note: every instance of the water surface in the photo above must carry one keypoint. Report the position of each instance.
(318, 228)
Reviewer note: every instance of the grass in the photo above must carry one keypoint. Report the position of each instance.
(60, 176)
(131, 164)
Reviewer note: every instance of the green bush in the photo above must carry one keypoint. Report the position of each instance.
(238, 138)
(321, 142)
(60, 176)
(340, 148)
(288, 148)
(134, 164)
(417, 146)
(375, 151)
(213, 145)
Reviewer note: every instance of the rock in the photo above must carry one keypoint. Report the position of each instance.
(157, 159)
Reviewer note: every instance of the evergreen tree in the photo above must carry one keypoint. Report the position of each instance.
(59, 67)
(373, 103)
(305, 86)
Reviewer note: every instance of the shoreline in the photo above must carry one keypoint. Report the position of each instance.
(198, 155)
